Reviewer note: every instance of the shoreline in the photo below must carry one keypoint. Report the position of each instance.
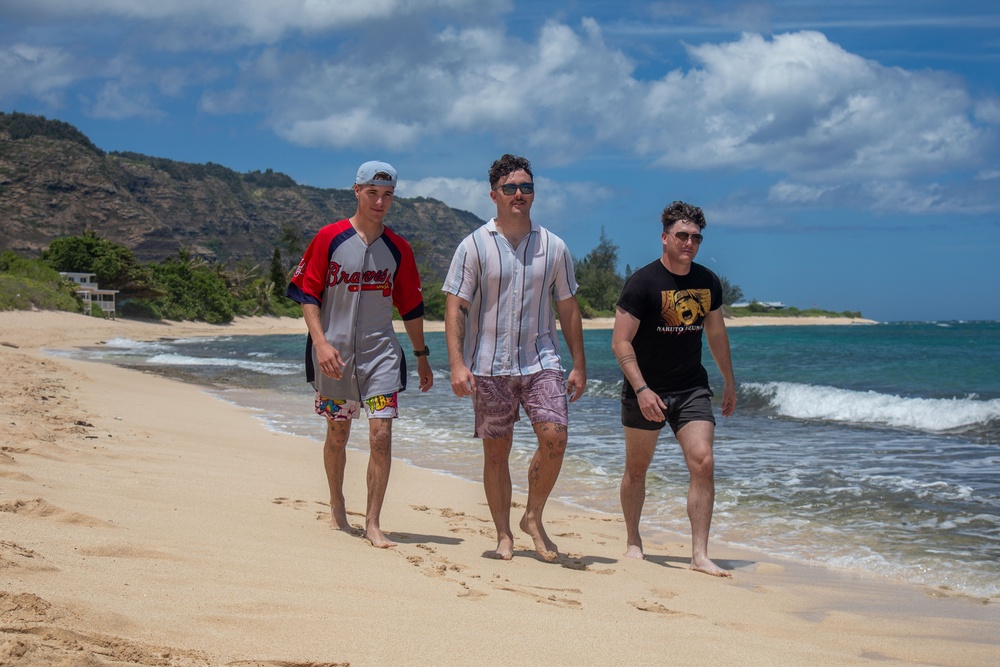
(77, 330)
(197, 531)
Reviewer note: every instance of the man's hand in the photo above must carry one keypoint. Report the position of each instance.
(425, 373)
(651, 405)
(329, 361)
(576, 384)
(728, 399)
(463, 383)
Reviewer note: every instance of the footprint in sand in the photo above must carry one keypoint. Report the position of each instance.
(285, 663)
(657, 608)
(51, 641)
(664, 593)
(288, 502)
(439, 567)
(14, 555)
(321, 515)
(126, 551)
(553, 598)
(39, 508)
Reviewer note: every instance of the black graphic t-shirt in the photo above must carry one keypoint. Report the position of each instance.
(671, 310)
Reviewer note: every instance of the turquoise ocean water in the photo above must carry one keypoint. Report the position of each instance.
(867, 447)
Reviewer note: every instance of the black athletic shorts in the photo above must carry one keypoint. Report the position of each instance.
(684, 407)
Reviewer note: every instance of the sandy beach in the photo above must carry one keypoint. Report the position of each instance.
(145, 522)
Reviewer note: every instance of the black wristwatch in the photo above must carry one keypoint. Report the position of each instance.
(422, 353)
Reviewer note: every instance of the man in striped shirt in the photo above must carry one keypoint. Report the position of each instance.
(503, 347)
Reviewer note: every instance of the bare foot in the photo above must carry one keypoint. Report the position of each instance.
(544, 547)
(708, 567)
(338, 520)
(635, 551)
(505, 548)
(378, 538)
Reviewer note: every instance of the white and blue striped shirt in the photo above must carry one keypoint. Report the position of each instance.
(512, 327)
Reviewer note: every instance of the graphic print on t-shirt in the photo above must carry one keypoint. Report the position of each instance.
(684, 308)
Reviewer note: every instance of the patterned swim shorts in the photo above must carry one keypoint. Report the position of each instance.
(496, 401)
(384, 406)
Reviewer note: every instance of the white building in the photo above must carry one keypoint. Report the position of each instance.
(768, 305)
(91, 294)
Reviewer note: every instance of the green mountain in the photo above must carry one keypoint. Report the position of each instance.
(55, 182)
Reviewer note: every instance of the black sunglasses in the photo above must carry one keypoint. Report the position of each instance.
(510, 188)
(682, 237)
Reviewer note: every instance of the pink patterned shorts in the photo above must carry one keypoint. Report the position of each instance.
(497, 399)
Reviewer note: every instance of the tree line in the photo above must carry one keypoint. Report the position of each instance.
(187, 287)
(183, 287)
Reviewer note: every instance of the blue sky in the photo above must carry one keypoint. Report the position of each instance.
(845, 153)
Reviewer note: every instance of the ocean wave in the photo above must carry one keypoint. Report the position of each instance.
(265, 367)
(936, 415)
(135, 345)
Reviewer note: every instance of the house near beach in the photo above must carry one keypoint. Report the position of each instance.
(91, 293)
(767, 305)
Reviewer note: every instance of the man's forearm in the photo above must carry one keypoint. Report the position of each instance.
(625, 354)
(456, 316)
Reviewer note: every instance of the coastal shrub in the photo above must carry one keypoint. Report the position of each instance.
(192, 290)
(29, 284)
(115, 265)
(731, 292)
(140, 309)
(434, 301)
(597, 277)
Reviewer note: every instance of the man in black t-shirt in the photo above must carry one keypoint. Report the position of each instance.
(662, 312)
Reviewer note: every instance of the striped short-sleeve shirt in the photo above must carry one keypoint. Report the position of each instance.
(512, 327)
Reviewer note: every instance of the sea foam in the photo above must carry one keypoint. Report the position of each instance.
(804, 401)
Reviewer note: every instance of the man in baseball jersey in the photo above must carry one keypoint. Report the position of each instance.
(501, 287)
(351, 276)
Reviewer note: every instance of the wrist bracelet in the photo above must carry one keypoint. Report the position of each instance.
(641, 389)
(422, 353)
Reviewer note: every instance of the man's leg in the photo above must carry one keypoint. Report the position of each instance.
(542, 475)
(496, 482)
(335, 460)
(639, 447)
(696, 440)
(379, 463)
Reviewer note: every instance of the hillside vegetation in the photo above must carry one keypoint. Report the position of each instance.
(201, 241)
(54, 182)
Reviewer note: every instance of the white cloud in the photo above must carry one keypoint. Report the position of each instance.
(258, 21)
(114, 101)
(39, 71)
(552, 198)
(799, 103)
(988, 110)
(356, 128)
(786, 192)
(461, 193)
(887, 196)
(796, 103)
